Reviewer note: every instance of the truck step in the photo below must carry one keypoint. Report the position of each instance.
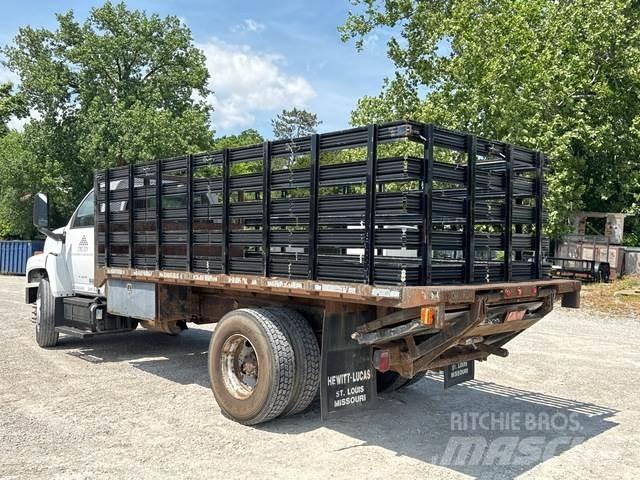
(76, 332)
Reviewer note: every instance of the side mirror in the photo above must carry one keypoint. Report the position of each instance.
(41, 211)
(41, 217)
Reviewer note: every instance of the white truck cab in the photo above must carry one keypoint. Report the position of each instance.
(67, 260)
(60, 280)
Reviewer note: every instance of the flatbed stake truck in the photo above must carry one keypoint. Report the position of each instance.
(346, 263)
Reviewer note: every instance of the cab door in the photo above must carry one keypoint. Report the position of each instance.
(79, 247)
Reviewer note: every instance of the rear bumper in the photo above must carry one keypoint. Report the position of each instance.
(463, 331)
(451, 295)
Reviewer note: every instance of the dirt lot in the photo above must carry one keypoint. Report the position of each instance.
(565, 404)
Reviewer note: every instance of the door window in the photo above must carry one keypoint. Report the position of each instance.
(84, 215)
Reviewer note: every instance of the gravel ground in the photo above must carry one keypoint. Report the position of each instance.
(564, 404)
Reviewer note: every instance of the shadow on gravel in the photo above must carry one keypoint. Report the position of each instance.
(481, 429)
(181, 359)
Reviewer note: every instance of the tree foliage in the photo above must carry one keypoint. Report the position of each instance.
(121, 86)
(20, 174)
(557, 76)
(16, 167)
(243, 139)
(11, 105)
(294, 123)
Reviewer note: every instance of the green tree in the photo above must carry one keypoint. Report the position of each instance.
(557, 76)
(120, 87)
(17, 167)
(294, 123)
(21, 173)
(243, 139)
(11, 105)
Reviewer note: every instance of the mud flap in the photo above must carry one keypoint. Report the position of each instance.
(458, 373)
(347, 376)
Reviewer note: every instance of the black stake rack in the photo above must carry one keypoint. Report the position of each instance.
(400, 203)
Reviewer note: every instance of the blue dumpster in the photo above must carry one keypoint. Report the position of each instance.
(15, 253)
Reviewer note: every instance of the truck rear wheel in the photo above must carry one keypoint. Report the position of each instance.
(251, 365)
(306, 352)
(46, 335)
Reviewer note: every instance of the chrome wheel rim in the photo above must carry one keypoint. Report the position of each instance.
(239, 366)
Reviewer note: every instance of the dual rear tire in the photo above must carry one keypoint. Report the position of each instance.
(263, 363)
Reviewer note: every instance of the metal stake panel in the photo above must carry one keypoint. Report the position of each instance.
(401, 203)
(370, 218)
(469, 228)
(96, 216)
(107, 218)
(266, 209)
(159, 215)
(130, 207)
(225, 211)
(427, 201)
(508, 215)
(314, 171)
(189, 246)
(539, 214)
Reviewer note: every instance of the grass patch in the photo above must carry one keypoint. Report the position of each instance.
(601, 297)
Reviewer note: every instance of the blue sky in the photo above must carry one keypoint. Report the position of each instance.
(262, 56)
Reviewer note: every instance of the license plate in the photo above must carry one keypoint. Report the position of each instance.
(515, 315)
(458, 372)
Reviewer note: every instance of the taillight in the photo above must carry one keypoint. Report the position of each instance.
(381, 360)
(426, 316)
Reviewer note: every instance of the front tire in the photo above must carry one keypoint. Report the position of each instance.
(251, 365)
(46, 335)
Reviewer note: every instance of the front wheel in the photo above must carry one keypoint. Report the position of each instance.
(46, 335)
(251, 365)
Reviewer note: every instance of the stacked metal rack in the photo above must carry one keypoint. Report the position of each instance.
(401, 203)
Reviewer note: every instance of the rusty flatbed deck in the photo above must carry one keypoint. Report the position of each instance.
(388, 296)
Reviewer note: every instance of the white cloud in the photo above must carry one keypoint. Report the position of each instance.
(7, 75)
(17, 123)
(370, 41)
(253, 26)
(246, 82)
(248, 25)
